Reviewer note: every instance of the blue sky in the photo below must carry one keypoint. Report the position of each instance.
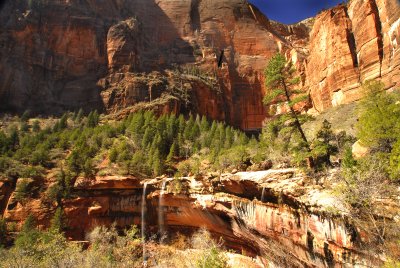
(292, 11)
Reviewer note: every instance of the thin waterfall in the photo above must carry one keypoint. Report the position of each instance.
(263, 194)
(143, 227)
(161, 219)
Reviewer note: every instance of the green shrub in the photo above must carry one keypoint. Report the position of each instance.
(3, 231)
(22, 191)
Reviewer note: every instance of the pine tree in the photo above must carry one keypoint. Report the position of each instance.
(113, 155)
(204, 125)
(88, 168)
(93, 119)
(63, 123)
(323, 147)
(281, 83)
(57, 223)
(28, 235)
(13, 139)
(79, 116)
(379, 117)
(157, 163)
(172, 152)
(187, 134)
(181, 124)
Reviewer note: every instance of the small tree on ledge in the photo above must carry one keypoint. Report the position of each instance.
(281, 82)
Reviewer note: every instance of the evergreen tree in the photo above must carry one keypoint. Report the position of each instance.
(63, 123)
(79, 116)
(157, 163)
(204, 125)
(113, 155)
(88, 168)
(29, 235)
(187, 134)
(57, 223)
(323, 147)
(379, 117)
(93, 119)
(181, 124)
(172, 152)
(13, 140)
(379, 124)
(281, 83)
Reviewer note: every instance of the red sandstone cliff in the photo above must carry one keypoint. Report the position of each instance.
(350, 44)
(112, 55)
(67, 54)
(280, 215)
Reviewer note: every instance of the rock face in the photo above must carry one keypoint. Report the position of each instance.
(350, 44)
(60, 55)
(115, 55)
(278, 215)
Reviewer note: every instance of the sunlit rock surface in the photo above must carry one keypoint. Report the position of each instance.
(351, 44)
(282, 216)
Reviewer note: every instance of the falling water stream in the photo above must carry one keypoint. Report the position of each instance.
(143, 223)
(161, 220)
(263, 194)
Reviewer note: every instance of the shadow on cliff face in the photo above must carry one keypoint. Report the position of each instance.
(53, 54)
(162, 44)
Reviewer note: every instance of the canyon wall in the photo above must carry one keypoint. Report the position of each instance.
(281, 216)
(111, 55)
(350, 44)
(117, 56)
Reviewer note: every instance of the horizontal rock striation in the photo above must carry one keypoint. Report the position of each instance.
(64, 55)
(279, 215)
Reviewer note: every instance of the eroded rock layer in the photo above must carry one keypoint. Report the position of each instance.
(278, 215)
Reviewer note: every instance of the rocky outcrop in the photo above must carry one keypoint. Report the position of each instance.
(63, 55)
(281, 216)
(350, 44)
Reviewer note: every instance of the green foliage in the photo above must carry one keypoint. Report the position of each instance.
(113, 155)
(379, 124)
(141, 145)
(3, 231)
(379, 117)
(282, 91)
(327, 144)
(36, 126)
(28, 235)
(62, 189)
(93, 119)
(23, 189)
(211, 255)
(57, 223)
(25, 116)
(79, 116)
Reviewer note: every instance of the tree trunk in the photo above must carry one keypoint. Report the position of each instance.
(310, 159)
